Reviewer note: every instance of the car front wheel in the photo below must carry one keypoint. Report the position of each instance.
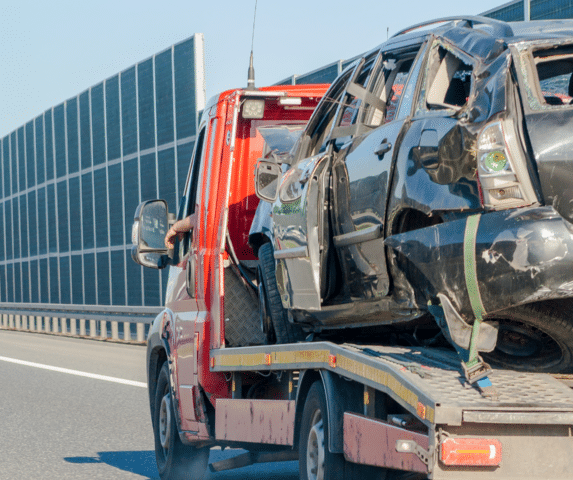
(274, 317)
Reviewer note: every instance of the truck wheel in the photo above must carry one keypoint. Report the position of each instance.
(175, 461)
(316, 462)
(535, 337)
(273, 314)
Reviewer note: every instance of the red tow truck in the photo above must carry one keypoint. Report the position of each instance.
(345, 410)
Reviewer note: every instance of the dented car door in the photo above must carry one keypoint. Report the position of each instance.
(362, 174)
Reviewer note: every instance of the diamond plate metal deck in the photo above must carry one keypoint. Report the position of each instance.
(443, 381)
(426, 381)
(437, 374)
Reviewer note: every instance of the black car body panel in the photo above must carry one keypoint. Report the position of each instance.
(521, 256)
(439, 166)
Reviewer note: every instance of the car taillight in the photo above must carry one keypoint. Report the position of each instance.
(503, 175)
(470, 452)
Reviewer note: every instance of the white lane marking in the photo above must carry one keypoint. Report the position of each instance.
(133, 383)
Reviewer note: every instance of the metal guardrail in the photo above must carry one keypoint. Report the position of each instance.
(127, 324)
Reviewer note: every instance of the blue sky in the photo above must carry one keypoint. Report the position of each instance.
(51, 51)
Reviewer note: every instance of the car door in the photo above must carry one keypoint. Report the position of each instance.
(298, 214)
(185, 297)
(361, 173)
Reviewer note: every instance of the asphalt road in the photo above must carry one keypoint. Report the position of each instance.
(57, 425)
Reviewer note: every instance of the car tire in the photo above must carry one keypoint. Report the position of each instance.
(175, 461)
(274, 317)
(535, 337)
(316, 462)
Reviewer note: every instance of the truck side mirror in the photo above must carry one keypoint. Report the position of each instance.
(267, 180)
(150, 226)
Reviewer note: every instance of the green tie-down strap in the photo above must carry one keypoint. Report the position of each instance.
(475, 369)
(472, 286)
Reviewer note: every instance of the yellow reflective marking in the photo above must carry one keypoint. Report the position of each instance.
(320, 356)
(261, 359)
(357, 368)
(429, 413)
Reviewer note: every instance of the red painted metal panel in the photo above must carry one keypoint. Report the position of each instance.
(373, 442)
(256, 421)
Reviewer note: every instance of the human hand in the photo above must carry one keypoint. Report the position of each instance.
(178, 231)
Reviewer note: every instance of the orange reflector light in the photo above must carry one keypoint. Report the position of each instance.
(212, 362)
(332, 361)
(474, 452)
(268, 359)
(421, 410)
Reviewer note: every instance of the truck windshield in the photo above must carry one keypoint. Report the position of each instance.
(281, 138)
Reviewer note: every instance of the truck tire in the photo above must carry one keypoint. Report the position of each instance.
(316, 462)
(175, 461)
(274, 316)
(536, 337)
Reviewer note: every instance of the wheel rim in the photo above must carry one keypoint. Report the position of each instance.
(165, 423)
(518, 341)
(523, 346)
(315, 449)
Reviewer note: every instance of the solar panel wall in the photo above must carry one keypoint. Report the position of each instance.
(73, 176)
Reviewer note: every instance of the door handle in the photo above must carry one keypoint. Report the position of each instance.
(383, 148)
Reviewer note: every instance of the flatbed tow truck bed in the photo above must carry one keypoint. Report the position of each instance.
(528, 417)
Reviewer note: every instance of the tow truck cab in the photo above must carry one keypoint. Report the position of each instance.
(209, 303)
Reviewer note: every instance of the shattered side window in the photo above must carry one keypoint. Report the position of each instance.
(396, 91)
(448, 81)
(323, 117)
(554, 70)
(409, 90)
(389, 86)
(351, 105)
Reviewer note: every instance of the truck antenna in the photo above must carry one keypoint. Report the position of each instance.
(251, 75)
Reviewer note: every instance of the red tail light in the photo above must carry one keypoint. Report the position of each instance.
(471, 452)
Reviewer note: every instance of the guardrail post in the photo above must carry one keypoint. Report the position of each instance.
(93, 328)
(141, 332)
(18, 322)
(4, 320)
(114, 330)
(126, 331)
(103, 328)
(11, 321)
(82, 327)
(55, 326)
(31, 322)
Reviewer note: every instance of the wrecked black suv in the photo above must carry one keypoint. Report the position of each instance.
(432, 187)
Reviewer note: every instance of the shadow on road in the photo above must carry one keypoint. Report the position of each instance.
(141, 463)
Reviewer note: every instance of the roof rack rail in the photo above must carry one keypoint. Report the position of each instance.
(502, 27)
